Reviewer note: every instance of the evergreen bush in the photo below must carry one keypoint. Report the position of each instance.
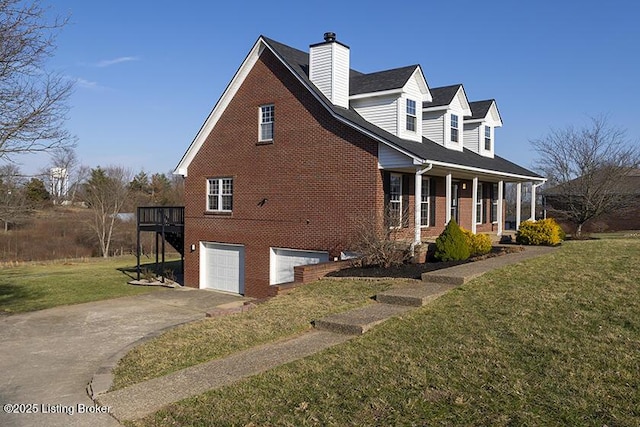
(452, 244)
(543, 232)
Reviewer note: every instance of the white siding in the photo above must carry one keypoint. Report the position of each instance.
(329, 71)
(340, 94)
(411, 91)
(433, 126)
(472, 136)
(320, 72)
(381, 111)
(487, 153)
(390, 158)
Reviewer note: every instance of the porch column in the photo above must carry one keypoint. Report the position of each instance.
(447, 213)
(500, 207)
(518, 204)
(533, 199)
(417, 237)
(474, 204)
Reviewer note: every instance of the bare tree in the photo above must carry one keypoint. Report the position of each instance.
(33, 102)
(587, 170)
(106, 192)
(61, 173)
(14, 206)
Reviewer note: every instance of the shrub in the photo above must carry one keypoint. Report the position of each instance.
(479, 244)
(451, 244)
(542, 232)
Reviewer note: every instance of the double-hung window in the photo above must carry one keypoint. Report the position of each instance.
(411, 115)
(395, 200)
(424, 203)
(267, 115)
(487, 138)
(454, 128)
(479, 204)
(220, 194)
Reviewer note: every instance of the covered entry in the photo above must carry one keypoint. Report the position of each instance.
(222, 267)
(283, 260)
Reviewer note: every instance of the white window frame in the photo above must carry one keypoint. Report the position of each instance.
(425, 203)
(266, 120)
(479, 204)
(456, 128)
(220, 194)
(395, 200)
(412, 118)
(494, 202)
(487, 138)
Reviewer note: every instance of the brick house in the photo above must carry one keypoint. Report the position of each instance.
(299, 148)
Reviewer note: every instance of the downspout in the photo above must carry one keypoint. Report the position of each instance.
(533, 198)
(417, 237)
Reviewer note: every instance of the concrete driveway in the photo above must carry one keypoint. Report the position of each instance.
(48, 357)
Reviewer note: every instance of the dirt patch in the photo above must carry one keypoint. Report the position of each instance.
(414, 271)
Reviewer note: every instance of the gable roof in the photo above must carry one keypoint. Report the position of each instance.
(442, 96)
(480, 109)
(381, 80)
(297, 62)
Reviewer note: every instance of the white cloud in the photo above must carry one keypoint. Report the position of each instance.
(110, 62)
(87, 84)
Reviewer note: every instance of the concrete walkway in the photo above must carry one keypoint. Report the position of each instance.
(147, 397)
(48, 357)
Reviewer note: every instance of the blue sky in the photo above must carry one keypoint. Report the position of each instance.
(149, 72)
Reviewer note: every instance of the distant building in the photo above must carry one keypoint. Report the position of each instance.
(59, 178)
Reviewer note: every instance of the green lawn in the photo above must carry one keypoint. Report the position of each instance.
(286, 315)
(551, 341)
(36, 286)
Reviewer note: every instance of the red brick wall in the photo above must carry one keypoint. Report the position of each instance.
(318, 177)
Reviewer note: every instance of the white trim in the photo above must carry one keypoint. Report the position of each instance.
(417, 226)
(448, 198)
(500, 207)
(220, 107)
(474, 205)
(518, 204)
(376, 94)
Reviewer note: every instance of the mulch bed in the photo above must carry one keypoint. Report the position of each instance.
(414, 271)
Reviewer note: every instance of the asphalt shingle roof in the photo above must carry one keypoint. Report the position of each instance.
(442, 96)
(383, 80)
(480, 109)
(427, 150)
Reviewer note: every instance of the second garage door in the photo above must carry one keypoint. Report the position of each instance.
(283, 260)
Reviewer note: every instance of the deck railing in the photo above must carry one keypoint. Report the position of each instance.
(158, 215)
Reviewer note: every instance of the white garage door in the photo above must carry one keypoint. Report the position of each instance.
(283, 260)
(222, 267)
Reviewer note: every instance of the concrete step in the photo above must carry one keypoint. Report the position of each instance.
(358, 321)
(415, 296)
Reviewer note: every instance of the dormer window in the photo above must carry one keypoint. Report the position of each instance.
(454, 128)
(411, 115)
(487, 138)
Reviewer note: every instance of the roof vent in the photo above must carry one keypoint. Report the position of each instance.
(329, 37)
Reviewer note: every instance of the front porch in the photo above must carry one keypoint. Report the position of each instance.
(420, 202)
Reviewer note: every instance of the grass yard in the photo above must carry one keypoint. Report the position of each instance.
(286, 315)
(36, 286)
(552, 341)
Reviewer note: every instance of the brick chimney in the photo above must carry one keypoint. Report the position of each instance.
(329, 69)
